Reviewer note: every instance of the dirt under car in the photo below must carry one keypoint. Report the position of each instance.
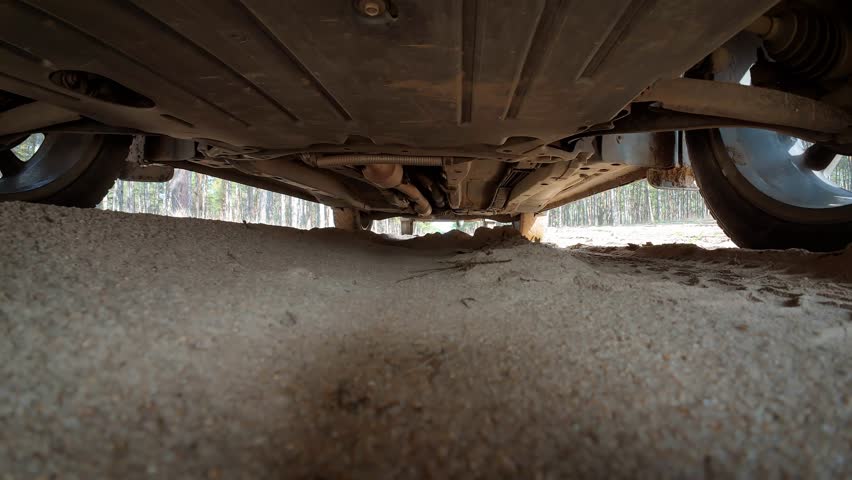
(441, 109)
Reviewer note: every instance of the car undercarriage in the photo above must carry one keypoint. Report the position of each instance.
(445, 109)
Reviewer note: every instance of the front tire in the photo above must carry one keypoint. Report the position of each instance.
(749, 215)
(67, 169)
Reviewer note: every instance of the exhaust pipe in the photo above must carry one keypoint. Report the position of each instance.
(385, 172)
(387, 176)
(365, 159)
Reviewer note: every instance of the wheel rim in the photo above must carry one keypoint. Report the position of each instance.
(50, 160)
(774, 164)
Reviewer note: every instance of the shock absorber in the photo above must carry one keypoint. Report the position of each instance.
(809, 45)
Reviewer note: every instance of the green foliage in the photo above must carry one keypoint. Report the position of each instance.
(215, 196)
(195, 195)
(640, 203)
(636, 203)
(842, 174)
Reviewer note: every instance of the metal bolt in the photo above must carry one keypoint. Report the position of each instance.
(372, 8)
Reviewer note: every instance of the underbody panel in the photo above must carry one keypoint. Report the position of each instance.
(270, 74)
(470, 101)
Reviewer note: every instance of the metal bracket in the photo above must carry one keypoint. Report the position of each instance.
(136, 170)
(654, 150)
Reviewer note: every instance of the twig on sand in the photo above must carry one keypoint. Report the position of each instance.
(466, 301)
(462, 266)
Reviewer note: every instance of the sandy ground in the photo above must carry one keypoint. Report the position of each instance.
(704, 235)
(137, 346)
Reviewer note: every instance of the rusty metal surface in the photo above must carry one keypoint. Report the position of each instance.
(390, 176)
(679, 178)
(421, 205)
(383, 175)
(455, 175)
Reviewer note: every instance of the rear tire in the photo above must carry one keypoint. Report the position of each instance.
(67, 170)
(753, 219)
